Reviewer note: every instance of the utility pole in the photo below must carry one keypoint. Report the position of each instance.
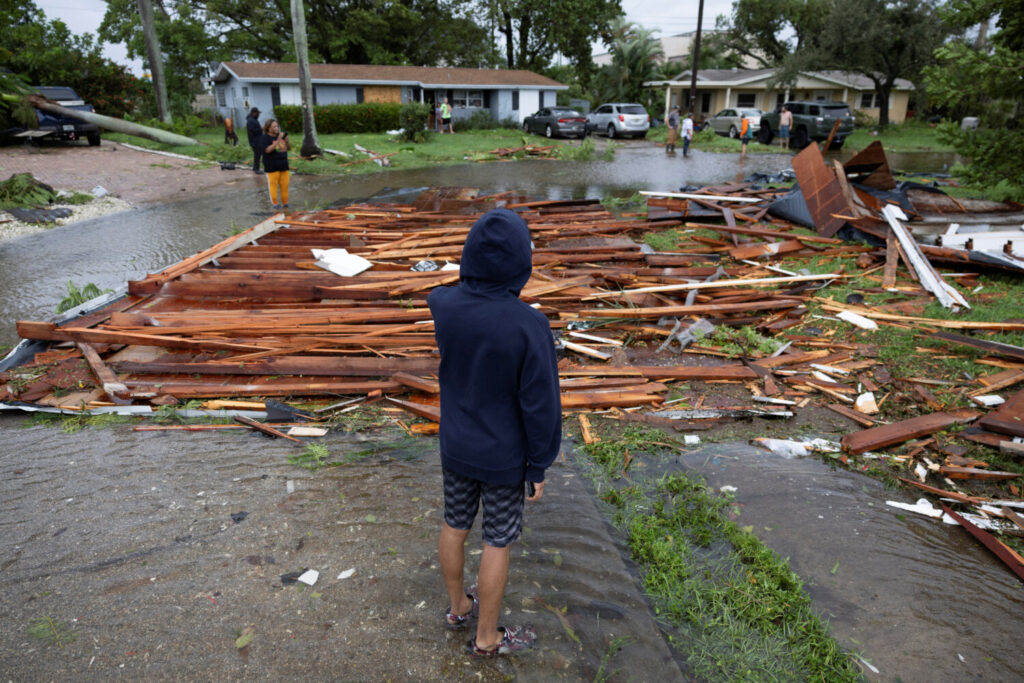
(156, 61)
(696, 59)
(310, 141)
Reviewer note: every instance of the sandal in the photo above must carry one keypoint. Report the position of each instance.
(515, 638)
(457, 622)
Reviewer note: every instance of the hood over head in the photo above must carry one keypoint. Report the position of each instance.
(498, 255)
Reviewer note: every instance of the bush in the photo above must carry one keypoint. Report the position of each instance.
(479, 120)
(413, 119)
(369, 117)
(862, 119)
(510, 122)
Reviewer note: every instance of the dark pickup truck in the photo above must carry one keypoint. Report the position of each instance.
(66, 128)
(811, 121)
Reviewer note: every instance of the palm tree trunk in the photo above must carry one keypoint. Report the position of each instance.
(110, 123)
(310, 141)
(156, 64)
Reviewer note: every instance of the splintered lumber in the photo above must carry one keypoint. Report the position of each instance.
(715, 285)
(588, 435)
(429, 412)
(108, 380)
(947, 295)
(1008, 557)
(1008, 418)
(954, 472)
(419, 383)
(973, 500)
(999, 348)
(899, 432)
(260, 427)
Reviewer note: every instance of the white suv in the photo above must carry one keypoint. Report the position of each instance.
(619, 120)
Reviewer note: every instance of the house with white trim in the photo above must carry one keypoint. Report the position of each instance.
(719, 89)
(239, 86)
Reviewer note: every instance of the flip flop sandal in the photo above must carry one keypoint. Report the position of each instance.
(515, 638)
(457, 622)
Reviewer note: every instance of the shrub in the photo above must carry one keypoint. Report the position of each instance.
(413, 119)
(479, 120)
(369, 117)
(862, 119)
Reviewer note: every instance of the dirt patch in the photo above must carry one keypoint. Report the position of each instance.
(137, 177)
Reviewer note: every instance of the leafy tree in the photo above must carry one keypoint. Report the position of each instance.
(768, 31)
(535, 30)
(985, 81)
(635, 59)
(882, 40)
(43, 52)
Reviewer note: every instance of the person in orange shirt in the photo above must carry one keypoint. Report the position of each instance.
(745, 134)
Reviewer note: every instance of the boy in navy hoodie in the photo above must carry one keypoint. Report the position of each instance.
(500, 418)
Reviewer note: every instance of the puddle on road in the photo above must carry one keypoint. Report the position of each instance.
(912, 595)
(128, 538)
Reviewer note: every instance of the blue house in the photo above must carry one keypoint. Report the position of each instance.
(239, 86)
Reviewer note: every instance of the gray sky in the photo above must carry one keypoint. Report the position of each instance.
(668, 17)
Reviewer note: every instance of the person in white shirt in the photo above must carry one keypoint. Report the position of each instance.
(687, 133)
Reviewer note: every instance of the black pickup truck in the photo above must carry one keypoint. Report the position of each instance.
(812, 121)
(62, 127)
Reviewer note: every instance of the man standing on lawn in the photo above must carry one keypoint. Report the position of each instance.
(500, 419)
(255, 131)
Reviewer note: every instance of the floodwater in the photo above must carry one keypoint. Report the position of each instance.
(127, 538)
(918, 599)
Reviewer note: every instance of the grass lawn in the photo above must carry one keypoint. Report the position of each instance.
(912, 136)
(439, 150)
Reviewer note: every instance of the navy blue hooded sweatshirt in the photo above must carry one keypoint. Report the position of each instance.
(500, 404)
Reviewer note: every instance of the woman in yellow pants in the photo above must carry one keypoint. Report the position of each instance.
(274, 143)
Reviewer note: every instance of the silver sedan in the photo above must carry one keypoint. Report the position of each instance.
(727, 121)
(552, 121)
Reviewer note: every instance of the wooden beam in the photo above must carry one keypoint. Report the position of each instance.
(898, 432)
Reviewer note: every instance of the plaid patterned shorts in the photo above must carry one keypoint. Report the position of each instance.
(503, 508)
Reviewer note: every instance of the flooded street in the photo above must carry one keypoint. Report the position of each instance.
(157, 550)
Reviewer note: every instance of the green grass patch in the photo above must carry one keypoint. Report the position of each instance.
(313, 457)
(438, 150)
(733, 608)
(911, 136)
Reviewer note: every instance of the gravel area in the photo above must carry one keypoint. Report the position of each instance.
(132, 177)
(10, 227)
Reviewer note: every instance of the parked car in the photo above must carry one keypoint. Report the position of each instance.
(560, 121)
(619, 120)
(63, 127)
(811, 121)
(727, 121)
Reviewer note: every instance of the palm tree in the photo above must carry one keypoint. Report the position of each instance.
(635, 58)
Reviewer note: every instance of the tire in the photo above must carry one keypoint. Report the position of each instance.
(94, 139)
(837, 144)
(640, 136)
(547, 131)
(764, 135)
(526, 127)
(611, 130)
(733, 133)
(799, 138)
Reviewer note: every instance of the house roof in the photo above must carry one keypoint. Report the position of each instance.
(422, 76)
(734, 77)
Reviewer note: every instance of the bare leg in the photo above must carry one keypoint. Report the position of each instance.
(450, 551)
(492, 579)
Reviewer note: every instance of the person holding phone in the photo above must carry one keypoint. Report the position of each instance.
(274, 145)
(501, 419)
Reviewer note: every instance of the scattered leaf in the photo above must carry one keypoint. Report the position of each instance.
(246, 637)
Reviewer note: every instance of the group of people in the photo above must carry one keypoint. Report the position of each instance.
(746, 133)
(270, 146)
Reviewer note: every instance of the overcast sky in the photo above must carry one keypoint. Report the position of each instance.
(668, 17)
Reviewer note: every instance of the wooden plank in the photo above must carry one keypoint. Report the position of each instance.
(990, 542)
(899, 432)
(419, 383)
(954, 472)
(973, 500)
(310, 366)
(432, 413)
(111, 385)
(50, 332)
(999, 348)
(852, 414)
(266, 429)
(588, 435)
(656, 312)
(716, 284)
(892, 260)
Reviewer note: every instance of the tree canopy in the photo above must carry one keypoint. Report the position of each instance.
(984, 80)
(635, 59)
(45, 52)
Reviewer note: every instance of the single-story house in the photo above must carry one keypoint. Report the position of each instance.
(719, 89)
(239, 86)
